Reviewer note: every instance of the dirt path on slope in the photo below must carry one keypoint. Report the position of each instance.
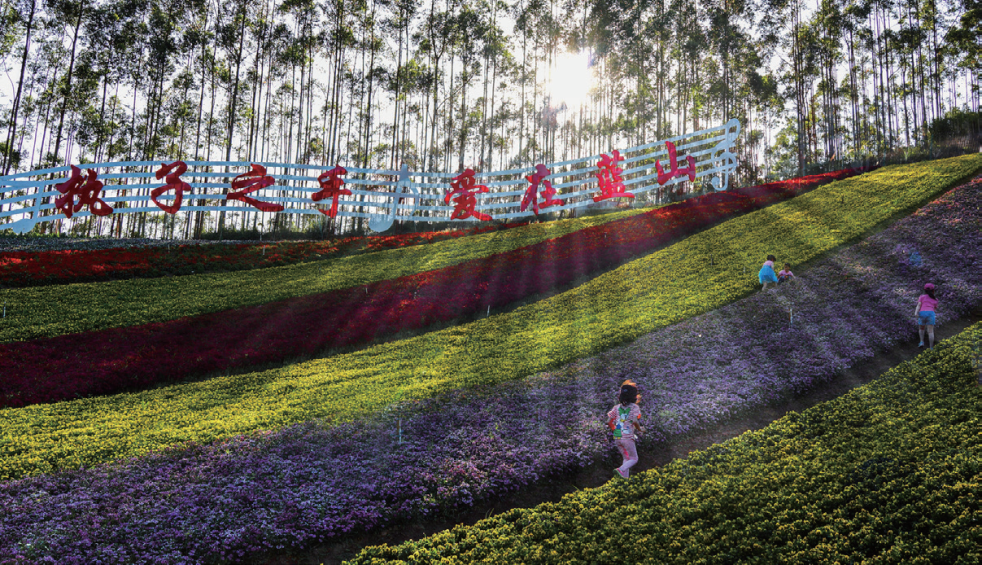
(599, 473)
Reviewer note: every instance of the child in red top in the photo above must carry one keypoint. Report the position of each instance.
(925, 315)
(624, 420)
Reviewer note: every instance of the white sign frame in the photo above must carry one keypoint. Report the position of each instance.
(23, 195)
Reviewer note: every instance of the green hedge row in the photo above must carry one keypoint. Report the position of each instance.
(888, 473)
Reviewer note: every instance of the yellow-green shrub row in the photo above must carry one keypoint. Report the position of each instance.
(889, 473)
(696, 275)
(65, 309)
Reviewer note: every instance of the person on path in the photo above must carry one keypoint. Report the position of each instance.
(624, 420)
(925, 315)
(766, 274)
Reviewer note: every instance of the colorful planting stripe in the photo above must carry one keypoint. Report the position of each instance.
(888, 473)
(310, 482)
(49, 311)
(38, 268)
(131, 358)
(701, 273)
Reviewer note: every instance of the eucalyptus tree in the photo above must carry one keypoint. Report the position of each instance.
(470, 32)
(12, 14)
(495, 51)
(690, 42)
(300, 54)
(965, 40)
(109, 39)
(398, 24)
(230, 35)
(528, 17)
(436, 42)
(798, 66)
(69, 15)
(171, 37)
(339, 41)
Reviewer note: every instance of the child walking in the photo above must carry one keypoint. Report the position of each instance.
(925, 315)
(624, 420)
(766, 274)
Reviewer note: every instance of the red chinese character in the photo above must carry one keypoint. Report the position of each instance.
(532, 194)
(254, 180)
(173, 173)
(609, 176)
(87, 191)
(331, 184)
(673, 166)
(465, 187)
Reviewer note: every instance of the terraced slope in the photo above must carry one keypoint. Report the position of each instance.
(888, 473)
(135, 357)
(699, 274)
(63, 309)
(38, 313)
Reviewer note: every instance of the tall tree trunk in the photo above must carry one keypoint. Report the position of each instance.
(68, 81)
(8, 155)
(232, 109)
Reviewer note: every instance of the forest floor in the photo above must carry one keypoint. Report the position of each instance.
(598, 473)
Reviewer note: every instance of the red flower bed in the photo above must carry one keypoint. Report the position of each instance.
(114, 360)
(35, 268)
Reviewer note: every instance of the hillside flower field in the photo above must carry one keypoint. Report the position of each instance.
(312, 481)
(888, 473)
(134, 357)
(33, 268)
(40, 311)
(173, 298)
(37, 268)
(703, 272)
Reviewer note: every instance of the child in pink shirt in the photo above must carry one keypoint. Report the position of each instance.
(925, 315)
(624, 420)
(785, 274)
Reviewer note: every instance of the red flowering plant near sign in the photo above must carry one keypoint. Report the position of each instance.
(86, 190)
(610, 179)
(249, 182)
(36, 268)
(173, 173)
(464, 186)
(331, 184)
(532, 194)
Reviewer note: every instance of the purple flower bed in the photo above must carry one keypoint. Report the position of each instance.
(219, 503)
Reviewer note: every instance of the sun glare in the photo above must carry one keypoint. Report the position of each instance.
(571, 79)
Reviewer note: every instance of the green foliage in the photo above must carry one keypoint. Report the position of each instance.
(956, 123)
(888, 473)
